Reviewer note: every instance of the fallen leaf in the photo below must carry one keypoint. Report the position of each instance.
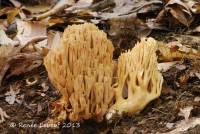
(16, 3)
(6, 52)
(128, 7)
(128, 24)
(11, 15)
(197, 75)
(4, 40)
(166, 90)
(176, 51)
(41, 47)
(180, 67)
(80, 4)
(196, 30)
(177, 2)
(54, 39)
(11, 95)
(179, 10)
(44, 46)
(164, 67)
(196, 99)
(36, 9)
(3, 25)
(184, 125)
(193, 5)
(30, 31)
(5, 10)
(24, 62)
(178, 13)
(185, 112)
(55, 20)
(61, 5)
(101, 5)
(45, 86)
(170, 125)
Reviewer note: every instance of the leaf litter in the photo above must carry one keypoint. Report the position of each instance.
(28, 31)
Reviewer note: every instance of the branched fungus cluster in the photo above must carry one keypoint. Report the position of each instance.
(81, 68)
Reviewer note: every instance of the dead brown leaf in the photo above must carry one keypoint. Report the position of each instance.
(44, 46)
(179, 10)
(128, 24)
(128, 7)
(163, 67)
(195, 30)
(180, 15)
(37, 9)
(183, 126)
(29, 32)
(178, 3)
(193, 5)
(5, 10)
(5, 40)
(16, 3)
(61, 5)
(54, 39)
(55, 20)
(11, 15)
(17, 63)
(185, 112)
(176, 51)
(80, 4)
(3, 24)
(12, 94)
(6, 51)
(23, 62)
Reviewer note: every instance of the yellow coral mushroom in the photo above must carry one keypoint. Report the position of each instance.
(81, 68)
(139, 80)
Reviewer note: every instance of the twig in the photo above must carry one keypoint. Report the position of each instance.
(155, 109)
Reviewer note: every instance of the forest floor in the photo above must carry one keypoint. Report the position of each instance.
(181, 89)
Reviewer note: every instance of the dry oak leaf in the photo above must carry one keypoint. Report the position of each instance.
(60, 5)
(45, 45)
(29, 32)
(175, 51)
(6, 52)
(179, 10)
(23, 62)
(5, 40)
(17, 63)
